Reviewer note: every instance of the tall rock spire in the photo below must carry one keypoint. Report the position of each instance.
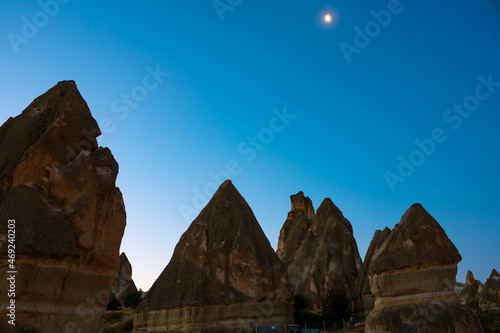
(319, 250)
(59, 187)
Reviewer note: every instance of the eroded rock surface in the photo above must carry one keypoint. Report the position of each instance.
(412, 276)
(124, 282)
(320, 250)
(223, 276)
(471, 292)
(491, 291)
(363, 300)
(295, 228)
(59, 187)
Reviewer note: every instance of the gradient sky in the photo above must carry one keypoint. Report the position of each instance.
(360, 94)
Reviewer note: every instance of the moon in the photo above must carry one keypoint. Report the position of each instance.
(328, 18)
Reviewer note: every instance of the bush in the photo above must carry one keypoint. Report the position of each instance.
(488, 321)
(335, 307)
(300, 313)
(113, 304)
(132, 299)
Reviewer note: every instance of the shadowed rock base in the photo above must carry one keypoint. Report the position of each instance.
(216, 318)
(46, 298)
(434, 316)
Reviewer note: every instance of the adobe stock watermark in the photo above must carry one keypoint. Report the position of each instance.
(131, 100)
(223, 6)
(249, 150)
(453, 117)
(372, 29)
(30, 27)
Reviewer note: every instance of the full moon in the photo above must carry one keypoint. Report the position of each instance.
(328, 18)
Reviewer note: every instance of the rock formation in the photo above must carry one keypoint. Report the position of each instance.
(471, 292)
(223, 276)
(491, 291)
(412, 276)
(59, 187)
(295, 228)
(124, 282)
(363, 300)
(320, 250)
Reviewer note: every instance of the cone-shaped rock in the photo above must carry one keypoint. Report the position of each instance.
(471, 292)
(362, 298)
(327, 258)
(124, 282)
(59, 187)
(223, 275)
(295, 228)
(491, 291)
(413, 275)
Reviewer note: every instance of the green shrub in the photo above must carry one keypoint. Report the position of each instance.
(132, 299)
(335, 307)
(113, 304)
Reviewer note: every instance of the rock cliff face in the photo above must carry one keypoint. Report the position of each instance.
(412, 276)
(124, 282)
(491, 291)
(59, 187)
(320, 250)
(223, 276)
(363, 300)
(471, 292)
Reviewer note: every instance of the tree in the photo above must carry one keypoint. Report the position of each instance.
(335, 306)
(300, 313)
(132, 298)
(113, 304)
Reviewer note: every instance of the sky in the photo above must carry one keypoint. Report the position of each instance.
(389, 104)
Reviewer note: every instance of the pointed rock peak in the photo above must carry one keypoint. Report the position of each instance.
(123, 257)
(226, 183)
(494, 273)
(416, 214)
(53, 129)
(417, 240)
(328, 209)
(226, 193)
(66, 85)
(64, 94)
(470, 277)
(223, 258)
(227, 208)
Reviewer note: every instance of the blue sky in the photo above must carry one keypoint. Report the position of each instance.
(392, 103)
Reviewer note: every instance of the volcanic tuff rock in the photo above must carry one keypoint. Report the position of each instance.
(362, 298)
(326, 257)
(124, 282)
(491, 291)
(471, 292)
(413, 277)
(295, 228)
(223, 275)
(67, 241)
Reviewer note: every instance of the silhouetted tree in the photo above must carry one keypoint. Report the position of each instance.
(132, 298)
(113, 304)
(335, 306)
